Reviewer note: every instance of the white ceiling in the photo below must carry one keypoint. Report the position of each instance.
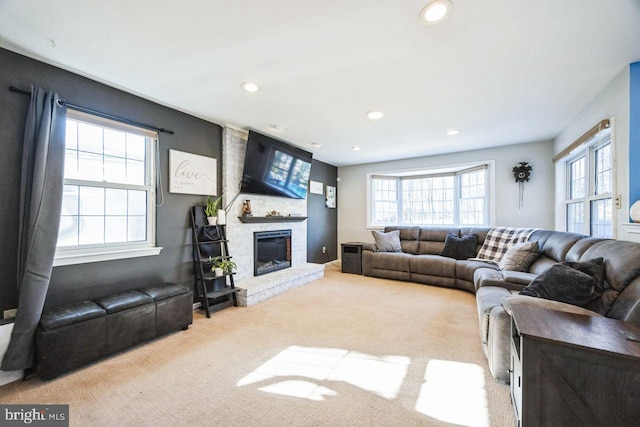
(503, 71)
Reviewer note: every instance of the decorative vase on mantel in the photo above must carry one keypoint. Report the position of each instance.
(634, 212)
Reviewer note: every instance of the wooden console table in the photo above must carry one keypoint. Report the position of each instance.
(569, 369)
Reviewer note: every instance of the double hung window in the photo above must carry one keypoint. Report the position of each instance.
(108, 208)
(589, 188)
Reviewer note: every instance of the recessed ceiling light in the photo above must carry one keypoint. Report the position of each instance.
(453, 132)
(279, 128)
(436, 11)
(250, 86)
(356, 148)
(315, 144)
(374, 114)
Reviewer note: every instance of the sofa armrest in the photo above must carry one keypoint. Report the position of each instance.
(511, 280)
(546, 304)
(369, 247)
(627, 306)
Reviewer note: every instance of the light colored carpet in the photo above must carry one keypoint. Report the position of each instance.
(345, 350)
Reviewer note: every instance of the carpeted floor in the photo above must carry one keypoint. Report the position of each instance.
(346, 350)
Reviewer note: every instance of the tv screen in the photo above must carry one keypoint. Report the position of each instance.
(275, 168)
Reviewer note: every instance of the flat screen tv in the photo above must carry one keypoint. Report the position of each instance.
(275, 168)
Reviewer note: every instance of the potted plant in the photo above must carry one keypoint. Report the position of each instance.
(211, 210)
(223, 266)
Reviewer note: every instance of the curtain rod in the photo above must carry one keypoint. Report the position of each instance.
(99, 113)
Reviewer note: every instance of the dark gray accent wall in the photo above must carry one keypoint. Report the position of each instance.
(322, 225)
(78, 282)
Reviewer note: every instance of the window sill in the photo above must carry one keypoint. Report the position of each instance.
(97, 256)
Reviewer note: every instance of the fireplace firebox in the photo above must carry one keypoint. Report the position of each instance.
(271, 251)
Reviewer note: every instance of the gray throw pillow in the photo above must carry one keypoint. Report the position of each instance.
(387, 242)
(520, 257)
(577, 283)
(460, 247)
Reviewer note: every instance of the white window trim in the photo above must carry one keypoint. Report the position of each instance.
(432, 171)
(587, 150)
(108, 252)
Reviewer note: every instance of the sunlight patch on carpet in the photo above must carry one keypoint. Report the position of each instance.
(454, 392)
(310, 371)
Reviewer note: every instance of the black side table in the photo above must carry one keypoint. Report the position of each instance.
(352, 257)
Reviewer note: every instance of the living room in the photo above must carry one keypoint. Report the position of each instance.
(549, 92)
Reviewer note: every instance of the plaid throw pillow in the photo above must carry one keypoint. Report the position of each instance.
(499, 240)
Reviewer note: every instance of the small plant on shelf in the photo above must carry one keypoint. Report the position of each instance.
(223, 266)
(211, 210)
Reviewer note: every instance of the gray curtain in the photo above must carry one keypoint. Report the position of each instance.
(40, 204)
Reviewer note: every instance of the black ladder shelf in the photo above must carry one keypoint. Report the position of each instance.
(209, 242)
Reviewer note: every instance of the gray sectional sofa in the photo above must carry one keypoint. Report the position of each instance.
(420, 261)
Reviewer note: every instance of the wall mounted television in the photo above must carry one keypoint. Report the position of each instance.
(275, 168)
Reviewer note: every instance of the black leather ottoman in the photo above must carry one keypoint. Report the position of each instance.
(131, 319)
(174, 307)
(70, 336)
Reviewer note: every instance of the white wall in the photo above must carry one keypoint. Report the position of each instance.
(538, 193)
(611, 102)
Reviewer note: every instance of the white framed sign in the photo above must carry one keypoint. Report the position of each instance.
(192, 174)
(316, 187)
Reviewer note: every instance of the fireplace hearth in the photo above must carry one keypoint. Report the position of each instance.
(271, 251)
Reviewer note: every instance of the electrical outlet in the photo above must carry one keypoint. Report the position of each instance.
(324, 249)
(9, 314)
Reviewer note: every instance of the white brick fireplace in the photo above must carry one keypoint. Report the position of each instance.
(240, 235)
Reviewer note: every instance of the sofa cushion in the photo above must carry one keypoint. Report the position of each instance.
(575, 283)
(499, 240)
(409, 237)
(387, 242)
(433, 265)
(396, 261)
(460, 247)
(519, 257)
(432, 240)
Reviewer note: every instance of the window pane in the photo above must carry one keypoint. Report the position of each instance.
(137, 202)
(472, 197)
(137, 228)
(115, 169)
(603, 169)
(70, 200)
(385, 203)
(89, 166)
(135, 172)
(114, 143)
(575, 217)
(91, 230)
(68, 232)
(601, 218)
(577, 180)
(89, 138)
(135, 146)
(71, 139)
(116, 202)
(428, 200)
(91, 201)
(71, 164)
(115, 229)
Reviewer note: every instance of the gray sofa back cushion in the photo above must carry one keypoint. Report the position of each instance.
(432, 240)
(408, 238)
(555, 244)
